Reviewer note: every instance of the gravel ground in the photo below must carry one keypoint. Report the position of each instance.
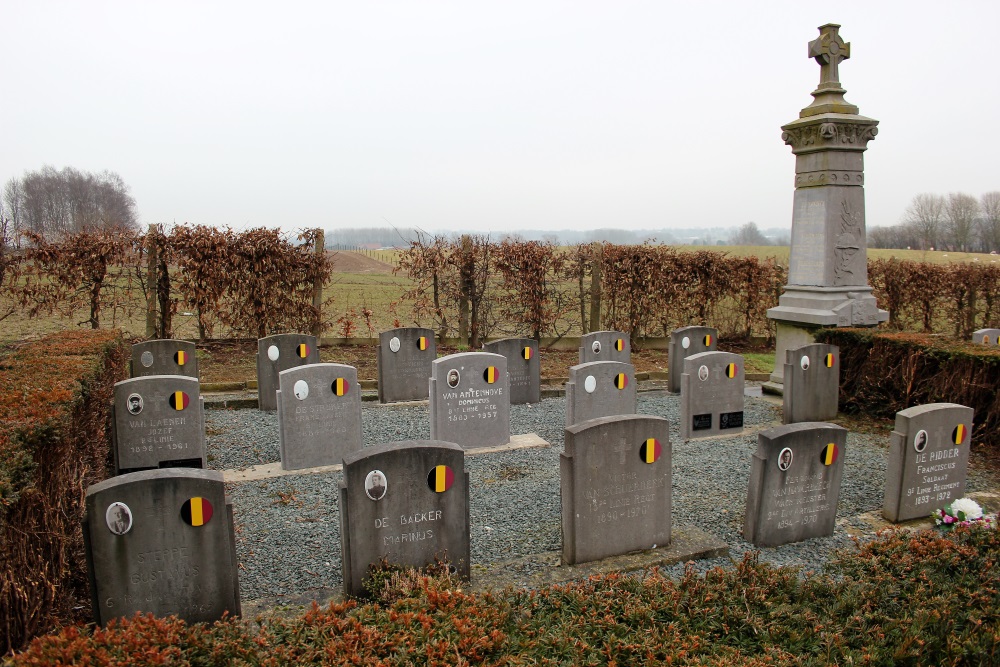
(288, 529)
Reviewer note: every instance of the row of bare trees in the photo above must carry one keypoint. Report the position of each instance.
(957, 221)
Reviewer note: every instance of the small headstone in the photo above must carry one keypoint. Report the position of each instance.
(164, 357)
(986, 336)
(712, 395)
(319, 415)
(159, 422)
(599, 389)
(523, 367)
(161, 542)
(812, 383)
(685, 342)
(605, 346)
(470, 399)
(615, 487)
(928, 460)
(406, 502)
(794, 483)
(404, 363)
(279, 353)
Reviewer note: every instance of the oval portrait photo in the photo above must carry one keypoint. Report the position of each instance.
(375, 485)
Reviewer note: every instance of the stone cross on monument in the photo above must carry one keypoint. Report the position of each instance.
(827, 265)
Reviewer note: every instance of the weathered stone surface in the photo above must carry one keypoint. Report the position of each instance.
(928, 460)
(599, 389)
(406, 502)
(164, 357)
(404, 363)
(685, 342)
(159, 421)
(279, 353)
(712, 395)
(605, 346)
(812, 383)
(615, 486)
(524, 368)
(161, 542)
(794, 483)
(470, 400)
(319, 415)
(986, 336)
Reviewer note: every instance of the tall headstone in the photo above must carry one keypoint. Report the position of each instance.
(404, 363)
(605, 346)
(986, 336)
(683, 343)
(615, 487)
(470, 399)
(928, 460)
(164, 357)
(599, 389)
(812, 383)
(161, 542)
(279, 353)
(794, 483)
(319, 415)
(712, 395)
(827, 272)
(524, 367)
(405, 502)
(159, 422)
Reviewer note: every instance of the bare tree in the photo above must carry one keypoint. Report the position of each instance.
(926, 215)
(989, 221)
(748, 234)
(961, 211)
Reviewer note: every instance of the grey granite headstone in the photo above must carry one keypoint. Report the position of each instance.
(161, 542)
(599, 389)
(812, 383)
(279, 353)
(164, 357)
(524, 367)
(319, 415)
(406, 502)
(470, 399)
(712, 395)
(404, 364)
(159, 422)
(928, 460)
(986, 336)
(794, 483)
(605, 346)
(615, 487)
(683, 343)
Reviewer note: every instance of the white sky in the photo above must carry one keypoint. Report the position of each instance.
(488, 116)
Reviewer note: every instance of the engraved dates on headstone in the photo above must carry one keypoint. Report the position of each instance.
(319, 415)
(712, 394)
(605, 346)
(159, 421)
(164, 357)
(524, 368)
(599, 389)
(470, 399)
(404, 363)
(279, 353)
(685, 342)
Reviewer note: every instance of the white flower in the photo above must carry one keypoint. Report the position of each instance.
(971, 508)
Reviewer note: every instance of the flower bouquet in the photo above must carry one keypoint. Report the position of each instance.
(961, 512)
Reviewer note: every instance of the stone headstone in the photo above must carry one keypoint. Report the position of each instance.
(794, 483)
(161, 542)
(712, 395)
(928, 460)
(599, 389)
(404, 364)
(470, 399)
(986, 336)
(812, 383)
(605, 346)
(164, 357)
(683, 343)
(159, 423)
(406, 502)
(319, 415)
(279, 353)
(615, 487)
(524, 368)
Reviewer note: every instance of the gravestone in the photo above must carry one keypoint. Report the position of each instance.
(812, 383)
(986, 336)
(470, 399)
(712, 395)
(605, 346)
(928, 460)
(599, 389)
(279, 353)
(164, 357)
(159, 422)
(615, 487)
(524, 368)
(404, 364)
(794, 483)
(161, 542)
(319, 415)
(683, 343)
(405, 502)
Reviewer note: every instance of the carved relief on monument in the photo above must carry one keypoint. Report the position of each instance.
(848, 264)
(852, 136)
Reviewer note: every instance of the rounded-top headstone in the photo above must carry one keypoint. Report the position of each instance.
(164, 357)
(605, 346)
(685, 342)
(404, 363)
(278, 353)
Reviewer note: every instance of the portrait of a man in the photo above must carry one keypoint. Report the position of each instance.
(920, 441)
(785, 459)
(119, 518)
(375, 485)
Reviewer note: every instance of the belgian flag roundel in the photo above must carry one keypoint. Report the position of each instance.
(829, 454)
(196, 511)
(180, 357)
(422, 343)
(526, 353)
(179, 400)
(958, 435)
(650, 450)
(302, 350)
(621, 381)
(490, 374)
(708, 340)
(340, 386)
(620, 344)
(730, 370)
(440, 478)
(829, 361)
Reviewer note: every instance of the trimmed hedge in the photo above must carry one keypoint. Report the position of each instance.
(55, 397)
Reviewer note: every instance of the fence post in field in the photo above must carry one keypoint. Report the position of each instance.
(596, 259)
(320, 249)
(151, 262)
(465, 288)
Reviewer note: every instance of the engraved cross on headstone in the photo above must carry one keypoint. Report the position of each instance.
(829, 49)
(621, 449)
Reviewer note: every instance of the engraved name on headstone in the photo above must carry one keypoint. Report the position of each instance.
(599, 389)
(812, 383)
(524, 368)
(986, 336)
(319, 415)
(159, 421)
(470, 399)
(685, 342)
(404, 363)
(164, 357)
(712, 395)
(605, 346)
(279, 353)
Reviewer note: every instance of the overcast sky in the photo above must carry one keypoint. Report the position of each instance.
(489, 116)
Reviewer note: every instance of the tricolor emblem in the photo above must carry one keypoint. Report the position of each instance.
(650, 450)
(526, 353)
(829, 454)
(440, 478)
(179, 400)
(180, 357)
(422, 343)
(340, 386)
(730, 370)
(490, 374)
(302, 350)
(708, 340)
(829, 361)
(196, 511)
(958, 435)
(621, 381)
(620, 344)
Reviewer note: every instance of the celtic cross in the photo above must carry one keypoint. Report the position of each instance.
(829, 49)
